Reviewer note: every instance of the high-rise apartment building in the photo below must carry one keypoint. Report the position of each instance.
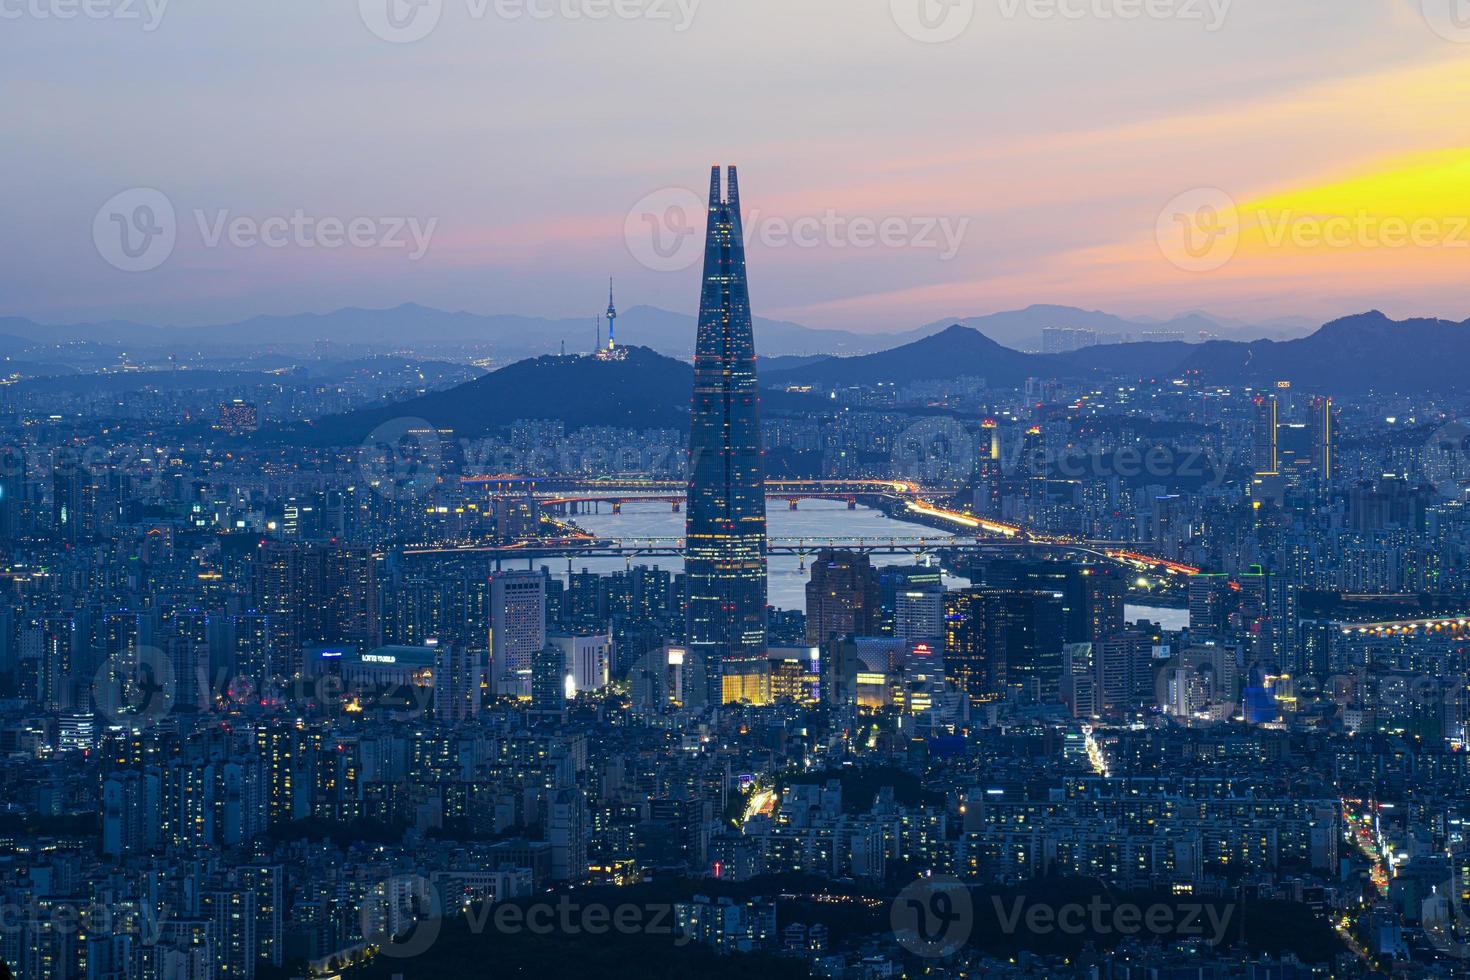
(841, 597)
(517, 630)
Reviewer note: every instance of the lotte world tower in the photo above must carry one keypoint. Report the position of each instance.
(725, 561)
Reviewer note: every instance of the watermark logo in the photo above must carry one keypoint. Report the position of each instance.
(401, 917)
(401, 21)
(937, 450)
(1194, 690)
(12, 463)
(136, 230)
(663, 230)
(135, 687)
(933, 917)
(1446, 459)
(1450, 19)
(402, 459)
(933, 21)
(1199, 230)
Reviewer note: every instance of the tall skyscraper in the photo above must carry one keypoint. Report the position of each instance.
(1092, 595)
(517, 629)
(459, 676)
(69, 483)
(919, 612)
(1264, 434)
(549, 681)
(841, 597)
(277, 594)
(725, 559)
(1282, 628)
(12, 492)
(1322, 423)
(1001, 642)
(1123, 667)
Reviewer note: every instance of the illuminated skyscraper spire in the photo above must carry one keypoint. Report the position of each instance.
(612, 317)
(726, 513)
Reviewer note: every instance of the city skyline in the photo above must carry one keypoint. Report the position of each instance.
(1043, 553)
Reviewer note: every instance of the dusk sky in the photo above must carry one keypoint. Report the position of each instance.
(1047, 140)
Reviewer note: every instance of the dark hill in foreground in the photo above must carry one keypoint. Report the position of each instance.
(644, 391)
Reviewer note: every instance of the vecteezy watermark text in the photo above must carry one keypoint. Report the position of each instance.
(97, 919)
(147, 13)
(938, 21)
(1201, 230)
(564, 917)
(406, 21)
(1210, 13)
(138, 229)
(664, 231)
(1101, 917)
(302, 230)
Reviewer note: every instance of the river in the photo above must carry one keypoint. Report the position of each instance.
(787, 577)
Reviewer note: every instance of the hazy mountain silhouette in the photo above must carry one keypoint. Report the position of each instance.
(1358, 353)
(649, 390)
(1022, 329)
(1354, 354)
(509, 337)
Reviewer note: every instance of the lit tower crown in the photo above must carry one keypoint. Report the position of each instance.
(991, 428)
(612, 317)
(725, 560)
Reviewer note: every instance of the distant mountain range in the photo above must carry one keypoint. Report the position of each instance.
(508, 338)
(1022, 329)
(958, 352)
(412, 327)
(648, 390)
(1352, 355)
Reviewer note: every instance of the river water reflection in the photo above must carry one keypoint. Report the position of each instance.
(787, 589)
(787, 577)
